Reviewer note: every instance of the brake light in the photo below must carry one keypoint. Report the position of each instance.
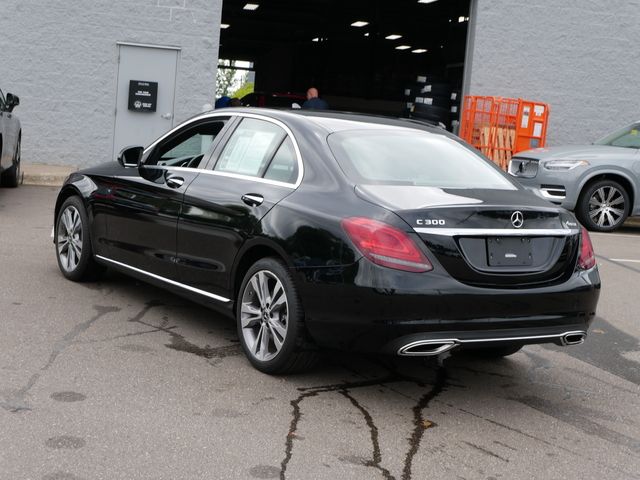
(385, 245)
(587, 258)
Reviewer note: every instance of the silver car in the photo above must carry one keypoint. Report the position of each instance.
(10, 136)
(600, 182)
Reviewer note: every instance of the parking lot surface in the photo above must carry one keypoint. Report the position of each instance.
(122, 380)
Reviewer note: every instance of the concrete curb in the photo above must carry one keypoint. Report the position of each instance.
(45, 175)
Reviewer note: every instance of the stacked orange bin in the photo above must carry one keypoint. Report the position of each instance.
(501, 127)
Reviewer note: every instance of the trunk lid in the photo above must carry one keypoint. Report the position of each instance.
(495, 238)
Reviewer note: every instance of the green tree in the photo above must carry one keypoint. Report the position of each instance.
(225, 77)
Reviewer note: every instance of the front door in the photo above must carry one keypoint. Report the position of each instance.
(146, 201)
(146, 94)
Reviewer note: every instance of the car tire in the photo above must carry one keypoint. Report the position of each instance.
(11, 177)
(493, 352)
(603, 206)
(270, 320)
(73, 242)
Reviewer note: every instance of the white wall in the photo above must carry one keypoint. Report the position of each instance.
(581, 57)
(60, 58)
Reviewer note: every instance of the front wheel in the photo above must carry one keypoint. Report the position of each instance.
(73, 243)
(11, 178)
(270, 320)
(603, 206)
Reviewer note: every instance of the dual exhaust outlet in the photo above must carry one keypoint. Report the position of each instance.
(430, 348)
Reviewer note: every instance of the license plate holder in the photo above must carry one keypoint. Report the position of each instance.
(509, 252)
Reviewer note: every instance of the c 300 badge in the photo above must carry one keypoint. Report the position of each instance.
(430, 221)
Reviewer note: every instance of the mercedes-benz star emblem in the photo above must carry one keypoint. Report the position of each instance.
(517, 219)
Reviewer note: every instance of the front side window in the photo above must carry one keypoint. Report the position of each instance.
(250, 148)
(412, 157)
(628, 137)
(187, 148)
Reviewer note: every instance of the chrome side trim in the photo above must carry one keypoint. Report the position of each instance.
(502, 232)
(208, 115)
(163, 279)
(454, 342)
(550, 193)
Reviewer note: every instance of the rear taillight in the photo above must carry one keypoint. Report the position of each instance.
(587, 258)
(385, 245)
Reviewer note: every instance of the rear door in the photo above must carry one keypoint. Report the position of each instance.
(146, 201)
(256, 167)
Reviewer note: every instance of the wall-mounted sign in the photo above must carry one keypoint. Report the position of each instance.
(143, 96)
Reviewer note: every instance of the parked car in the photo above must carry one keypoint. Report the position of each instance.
(328, 230)
(273, 100)
(600, 182)
(10, 139)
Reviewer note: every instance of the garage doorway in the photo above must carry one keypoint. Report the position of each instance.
(368, 56)
(145, 93)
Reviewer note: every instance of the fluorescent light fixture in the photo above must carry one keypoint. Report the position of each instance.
(427, 1)
(250, 6)
(366, 34)
(224, 26)
(360, 23)
(460, 19)
(317, 39)
(394, 36)
(419, 50)
(403, 47)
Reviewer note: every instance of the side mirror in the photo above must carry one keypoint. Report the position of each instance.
(130, 156)
(12, 101)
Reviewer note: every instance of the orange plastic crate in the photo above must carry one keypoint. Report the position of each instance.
(501, 127)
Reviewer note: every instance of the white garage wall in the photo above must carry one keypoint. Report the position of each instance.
(581, 57)
(60, 58)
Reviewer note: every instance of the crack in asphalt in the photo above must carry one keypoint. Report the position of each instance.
(17, 401)
(344, 389)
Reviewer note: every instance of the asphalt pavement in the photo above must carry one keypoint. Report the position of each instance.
(122, 380)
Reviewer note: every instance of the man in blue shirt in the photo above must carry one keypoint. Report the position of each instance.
(313, 101)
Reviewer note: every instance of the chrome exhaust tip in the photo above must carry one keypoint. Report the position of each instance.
(427, 348)
(573, 338)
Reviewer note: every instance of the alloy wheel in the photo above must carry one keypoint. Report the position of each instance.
(264, 315)
(606, 206)
(69, 241)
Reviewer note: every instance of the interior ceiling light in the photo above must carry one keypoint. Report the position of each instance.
(427, 1)
(403, 47)
(419, 50)
(394, 36)
(461, 19)
(251, 6)
(315, 39)
(360, 23)
(224, 26)
(366, 34)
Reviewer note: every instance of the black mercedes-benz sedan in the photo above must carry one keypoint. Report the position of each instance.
(327, 230)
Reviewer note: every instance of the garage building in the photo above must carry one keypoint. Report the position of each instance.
(94, 76)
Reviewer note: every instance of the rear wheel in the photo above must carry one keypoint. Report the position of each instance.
(270, 320)
(11, 177)
(603, 206)
(73, 243)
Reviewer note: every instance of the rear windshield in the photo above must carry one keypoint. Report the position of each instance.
(412, 157)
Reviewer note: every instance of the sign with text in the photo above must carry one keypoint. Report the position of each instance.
(143, 96)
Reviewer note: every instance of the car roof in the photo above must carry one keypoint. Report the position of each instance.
(332, 121)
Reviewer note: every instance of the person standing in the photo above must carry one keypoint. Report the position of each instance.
(314, 102)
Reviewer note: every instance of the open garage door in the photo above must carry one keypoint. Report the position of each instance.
(401, 57)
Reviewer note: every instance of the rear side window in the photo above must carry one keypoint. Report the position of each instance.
(284, 165)
(250, 148)
(412, 157)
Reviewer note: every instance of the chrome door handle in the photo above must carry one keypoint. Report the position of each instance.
(174, 182)
(167, 116)
(252, 199)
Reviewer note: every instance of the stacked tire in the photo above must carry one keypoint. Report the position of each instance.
(433, 100)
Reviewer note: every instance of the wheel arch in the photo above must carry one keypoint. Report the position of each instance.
(250, 253)
(617, 176)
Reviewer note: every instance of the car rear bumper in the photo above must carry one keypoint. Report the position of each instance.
(374, 309)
